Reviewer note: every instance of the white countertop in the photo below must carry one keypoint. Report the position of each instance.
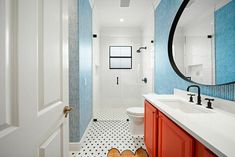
(215, 129)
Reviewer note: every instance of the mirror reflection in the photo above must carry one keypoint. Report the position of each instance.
(204, 42)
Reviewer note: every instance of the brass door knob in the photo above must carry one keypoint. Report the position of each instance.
(66, 111)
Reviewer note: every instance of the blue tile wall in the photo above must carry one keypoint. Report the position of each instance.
(165, 77)
(85, 64)
(225, 43)
(80, 67)
(73, 72)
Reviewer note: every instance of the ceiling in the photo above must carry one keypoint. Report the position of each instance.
(107, 13)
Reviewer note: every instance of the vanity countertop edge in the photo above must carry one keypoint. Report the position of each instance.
(215, 130)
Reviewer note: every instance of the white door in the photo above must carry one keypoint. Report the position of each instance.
(33, 78)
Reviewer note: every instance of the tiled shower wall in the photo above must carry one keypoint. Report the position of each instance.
(165, 77)
(80, 67)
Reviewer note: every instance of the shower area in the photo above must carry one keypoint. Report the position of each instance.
(120, 71)
(122, 56)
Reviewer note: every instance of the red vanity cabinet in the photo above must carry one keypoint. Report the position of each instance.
(164, 138)
(202, 151)
(172, 140)
(150, 129)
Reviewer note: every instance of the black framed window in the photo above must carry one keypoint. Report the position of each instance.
(120, 57)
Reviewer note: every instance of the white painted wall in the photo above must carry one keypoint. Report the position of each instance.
(96, 62)
(147, 56)
(128, 92)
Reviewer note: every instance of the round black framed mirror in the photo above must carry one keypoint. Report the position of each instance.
(201, 45)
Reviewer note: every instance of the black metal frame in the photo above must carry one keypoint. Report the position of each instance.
(170, 42)
(119, 57)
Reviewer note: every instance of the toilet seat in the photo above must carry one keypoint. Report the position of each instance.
(136, 111)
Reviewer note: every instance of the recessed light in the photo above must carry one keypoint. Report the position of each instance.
(121, 20)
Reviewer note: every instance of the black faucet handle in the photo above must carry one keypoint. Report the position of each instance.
(191, 97)
(209, 104)
(209, 99)
(191, 94)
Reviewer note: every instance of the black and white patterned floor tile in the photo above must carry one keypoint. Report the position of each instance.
(104, 135)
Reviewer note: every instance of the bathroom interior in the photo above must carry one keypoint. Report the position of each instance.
(152, 74)
(113, 78)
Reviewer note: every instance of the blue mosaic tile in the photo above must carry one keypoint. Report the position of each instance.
(80, 67)
(225, 43)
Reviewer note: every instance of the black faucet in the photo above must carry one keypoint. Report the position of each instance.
(199, 101)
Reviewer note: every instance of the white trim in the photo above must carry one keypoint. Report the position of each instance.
(91, 3)
(76, 146)
(156, 3)
(221, 4)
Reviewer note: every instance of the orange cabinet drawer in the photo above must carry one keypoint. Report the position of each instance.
(172, 140)
(202, 151)
(150, 129)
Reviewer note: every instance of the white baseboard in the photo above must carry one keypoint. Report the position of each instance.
(76, 146)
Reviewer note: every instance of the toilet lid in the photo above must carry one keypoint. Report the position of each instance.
(137, 111)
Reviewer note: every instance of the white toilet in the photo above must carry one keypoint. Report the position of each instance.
(136, 116)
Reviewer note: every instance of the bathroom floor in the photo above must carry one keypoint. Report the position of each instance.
(106, 134)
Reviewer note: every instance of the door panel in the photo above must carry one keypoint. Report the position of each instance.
(172, 140)
(150, 127)
(50, 52)
(52, 146)
(8, 77)
(34, 62)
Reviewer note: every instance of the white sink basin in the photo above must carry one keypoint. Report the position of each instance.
(184, 106)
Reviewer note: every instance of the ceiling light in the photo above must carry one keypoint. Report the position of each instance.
(121, 20)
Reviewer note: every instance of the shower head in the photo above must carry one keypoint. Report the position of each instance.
(139, 50)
